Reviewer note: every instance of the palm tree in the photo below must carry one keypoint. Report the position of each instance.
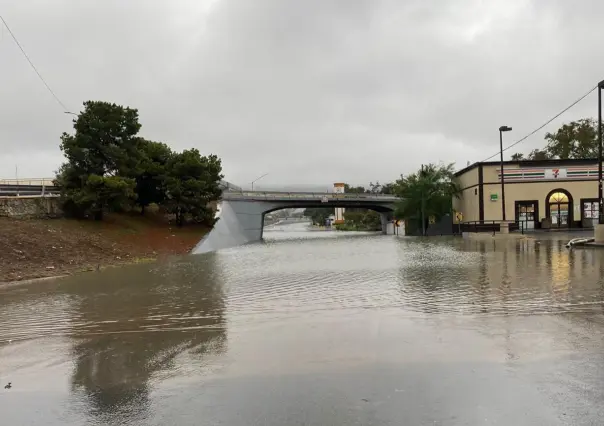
(428, 192)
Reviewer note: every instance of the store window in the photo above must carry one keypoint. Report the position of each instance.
(590, 212)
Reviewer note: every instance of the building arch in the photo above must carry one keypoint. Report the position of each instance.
(559, 208)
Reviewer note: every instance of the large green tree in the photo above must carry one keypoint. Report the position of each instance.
(428, 192)
(577, 139)
(103, 150)
(150, 173)
(192, 183)
(378, 188)
(535, 154)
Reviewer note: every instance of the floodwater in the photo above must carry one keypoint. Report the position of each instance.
(315, 328)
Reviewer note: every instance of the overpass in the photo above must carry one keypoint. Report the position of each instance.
(241, 213)
(41, 187)
(27, 187)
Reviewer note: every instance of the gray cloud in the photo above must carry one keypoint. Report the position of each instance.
(310, 91)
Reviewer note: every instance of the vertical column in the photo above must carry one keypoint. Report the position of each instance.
(338, 188)
(384, 219)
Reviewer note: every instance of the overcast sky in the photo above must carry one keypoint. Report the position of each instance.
(311, 91)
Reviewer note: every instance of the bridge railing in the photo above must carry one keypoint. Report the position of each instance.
(275, 195)
(28, 182)
(28, 187)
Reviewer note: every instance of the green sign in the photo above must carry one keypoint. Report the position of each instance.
(493, 197)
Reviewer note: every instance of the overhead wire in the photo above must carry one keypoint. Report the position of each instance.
(54, 95)
(543, 125)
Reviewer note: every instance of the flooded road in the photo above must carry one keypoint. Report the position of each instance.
(315, 328)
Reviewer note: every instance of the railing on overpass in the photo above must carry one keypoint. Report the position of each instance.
(28, 187)
(46, 187)
(228, 186)
(28, 181)
(322, 196)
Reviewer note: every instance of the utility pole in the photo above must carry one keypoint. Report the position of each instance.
(257, 179)
(501, 130)
(421, 174)
(600, 195)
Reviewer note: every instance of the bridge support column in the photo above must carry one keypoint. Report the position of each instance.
(240, 222)
(384, 217)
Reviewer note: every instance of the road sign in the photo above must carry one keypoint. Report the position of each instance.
(432, 220)
(459, 216)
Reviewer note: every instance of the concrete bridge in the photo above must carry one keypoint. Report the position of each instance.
(241, 213)
(46, 187)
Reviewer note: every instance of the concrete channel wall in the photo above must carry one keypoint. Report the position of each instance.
(30, 207)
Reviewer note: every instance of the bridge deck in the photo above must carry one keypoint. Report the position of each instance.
(306, 196)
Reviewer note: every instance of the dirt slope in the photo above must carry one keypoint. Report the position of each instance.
(40, 248)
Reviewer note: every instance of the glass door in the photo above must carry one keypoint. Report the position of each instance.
(559, 215)
(525, 214)
(559, 210)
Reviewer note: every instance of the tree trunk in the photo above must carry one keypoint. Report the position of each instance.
(98, 214)
(423, 218)
(143, 210)
(179, 218)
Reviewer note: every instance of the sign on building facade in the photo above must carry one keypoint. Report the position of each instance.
(555, 174)
(537, 174)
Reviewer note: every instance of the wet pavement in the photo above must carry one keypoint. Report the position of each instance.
(315, 328)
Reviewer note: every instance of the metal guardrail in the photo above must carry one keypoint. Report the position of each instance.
(28, 182)
(11, 190)
(321, 196)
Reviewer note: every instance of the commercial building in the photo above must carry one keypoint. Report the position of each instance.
(338, 188)
(538, 194)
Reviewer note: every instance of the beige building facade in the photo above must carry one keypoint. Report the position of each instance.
(538, 194)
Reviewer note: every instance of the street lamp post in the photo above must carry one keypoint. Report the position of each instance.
(257, 179)
(600, 195)
(501, 130)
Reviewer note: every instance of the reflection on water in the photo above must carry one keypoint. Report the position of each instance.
(129, 328)
(315, 327)
(131, 335)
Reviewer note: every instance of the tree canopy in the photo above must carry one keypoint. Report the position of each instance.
(577, 139)
(192, 182)
(427, 192)
(101, 150)
(319, 215)
(354, 189)
(110, 168)
(151, 173)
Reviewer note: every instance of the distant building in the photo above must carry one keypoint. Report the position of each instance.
(538, 194)
(338, 188)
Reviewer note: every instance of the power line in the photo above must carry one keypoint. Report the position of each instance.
(543, 125)
(32, 65)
